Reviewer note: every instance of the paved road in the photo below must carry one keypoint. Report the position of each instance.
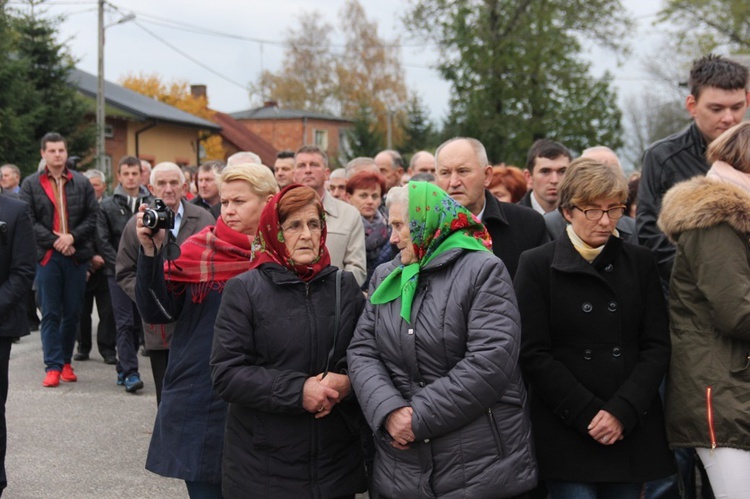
(80, 440)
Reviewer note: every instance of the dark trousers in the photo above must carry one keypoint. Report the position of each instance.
(159, 360)
(61, 284)
(127, 329)
(97, 288)
(5, 344)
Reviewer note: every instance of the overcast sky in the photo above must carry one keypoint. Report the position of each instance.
(151, 43)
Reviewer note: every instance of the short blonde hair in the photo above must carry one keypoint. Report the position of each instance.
(587, 180)
(259, 177)
(733, 147)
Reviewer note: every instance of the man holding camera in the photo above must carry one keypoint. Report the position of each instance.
(63, 208)
(168, 184)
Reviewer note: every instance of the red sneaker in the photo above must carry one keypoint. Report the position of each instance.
(68, 374)
(51, 379)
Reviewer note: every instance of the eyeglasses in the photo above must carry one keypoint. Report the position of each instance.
(296, 227)
(596, 214)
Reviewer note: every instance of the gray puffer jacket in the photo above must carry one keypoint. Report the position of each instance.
(456, 366)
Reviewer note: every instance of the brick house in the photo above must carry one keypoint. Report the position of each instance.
(289, 129)
(140, 126)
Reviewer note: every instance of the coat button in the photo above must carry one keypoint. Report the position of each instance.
(427, 440)
(616, 352)
(612, 306)
(421, 384)
(587, 307)
(565, 414)
(608, 268)
(588, 354)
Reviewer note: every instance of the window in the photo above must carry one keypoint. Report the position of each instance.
(109, 131)
(321, 139)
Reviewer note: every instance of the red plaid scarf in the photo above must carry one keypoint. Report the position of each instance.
(209, 259)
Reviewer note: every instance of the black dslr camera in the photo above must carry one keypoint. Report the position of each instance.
(158, 217)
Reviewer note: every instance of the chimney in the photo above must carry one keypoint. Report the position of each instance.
(270, 103)
(198, 91)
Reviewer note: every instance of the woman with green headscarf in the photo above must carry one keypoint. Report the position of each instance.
(434, 359)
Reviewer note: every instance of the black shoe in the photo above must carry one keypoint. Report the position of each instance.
(144, 352)
(33, 326)
(81, 356)
(110, 359)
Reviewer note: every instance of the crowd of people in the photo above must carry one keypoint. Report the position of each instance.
(446, 328)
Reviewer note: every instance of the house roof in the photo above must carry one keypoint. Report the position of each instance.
(243, 139)
(278, 113)
(136, 105)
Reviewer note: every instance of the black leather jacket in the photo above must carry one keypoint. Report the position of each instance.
(671, 160)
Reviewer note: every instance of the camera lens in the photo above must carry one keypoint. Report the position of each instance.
(150, 219)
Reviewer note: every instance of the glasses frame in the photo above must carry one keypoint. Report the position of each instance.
(298, 230)
(587, 211)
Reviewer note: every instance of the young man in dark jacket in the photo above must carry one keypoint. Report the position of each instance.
(63, 208)
(718, 100)
(115, 212)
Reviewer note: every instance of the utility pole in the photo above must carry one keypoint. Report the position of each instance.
(389, 123)
(100, 119)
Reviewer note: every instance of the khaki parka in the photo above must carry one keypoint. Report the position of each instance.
(708, 385)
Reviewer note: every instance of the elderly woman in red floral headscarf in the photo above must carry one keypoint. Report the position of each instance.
(279, 359)
(189, 429)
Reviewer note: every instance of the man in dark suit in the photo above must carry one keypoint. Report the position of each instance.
(546, 163)
(17, 268)
(167, 184)
(464, 172)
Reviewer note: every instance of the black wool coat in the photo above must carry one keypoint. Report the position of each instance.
(17, 266)
(594, 337)
(274, 331)
(513, 228)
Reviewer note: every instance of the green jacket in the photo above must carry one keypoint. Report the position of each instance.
(707, 400)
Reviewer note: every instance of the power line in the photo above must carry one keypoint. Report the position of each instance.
(191, 58)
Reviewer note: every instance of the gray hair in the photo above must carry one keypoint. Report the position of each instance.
(243, 157)
(166, 166)
(93, 173)
(479, 150)
(11, 167)
(398, 195)
(337, 173)
(358, 164)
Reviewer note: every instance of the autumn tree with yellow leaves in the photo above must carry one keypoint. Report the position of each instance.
(177, 94)
(365, 73)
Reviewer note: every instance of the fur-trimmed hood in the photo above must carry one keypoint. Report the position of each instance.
(703, 202)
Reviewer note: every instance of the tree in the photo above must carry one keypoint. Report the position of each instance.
(516, 72)
(419, 131)
(370, 72)
(315, 78)
(35, 96)
(307, 76)
(177, 94)
(704, 25)
(363, 138)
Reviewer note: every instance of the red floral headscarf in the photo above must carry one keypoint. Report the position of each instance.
(269, 243)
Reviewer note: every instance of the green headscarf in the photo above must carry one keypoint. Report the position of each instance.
(437, 224)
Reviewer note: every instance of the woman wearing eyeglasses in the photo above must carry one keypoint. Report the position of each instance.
(595, 346)
(280, 361)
